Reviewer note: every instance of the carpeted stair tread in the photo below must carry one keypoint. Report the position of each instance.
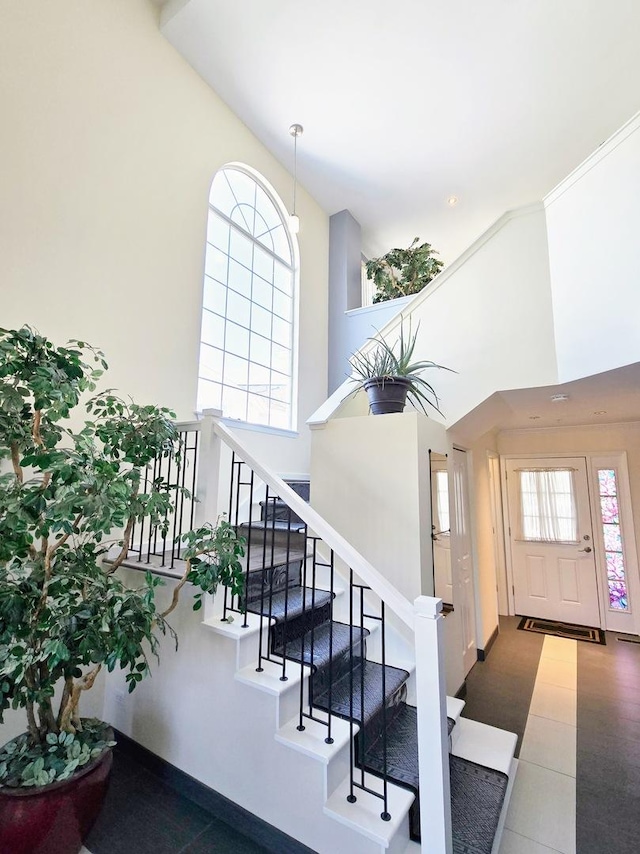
(477, 793)
(295, 526)
(402, 748)
(293, 601)
(372, 698)
(329, 638)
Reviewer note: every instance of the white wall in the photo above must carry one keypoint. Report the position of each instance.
(593, 221)
(488, 316)
(370, 477)
(109, 142)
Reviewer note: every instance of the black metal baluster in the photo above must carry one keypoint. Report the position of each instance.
(284, 676)
(362, 665)
(248, 551)
(329, 737)
(351, 798)
(301, 726)
(384, 815)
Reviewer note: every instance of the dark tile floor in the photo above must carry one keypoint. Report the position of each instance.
(146, 816)
(608, 727)
(499, 689)
(608, 754)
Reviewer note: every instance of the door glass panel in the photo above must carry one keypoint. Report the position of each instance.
(612, 538)
(548, 506)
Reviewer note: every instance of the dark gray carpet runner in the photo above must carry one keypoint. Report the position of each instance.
(346, 683)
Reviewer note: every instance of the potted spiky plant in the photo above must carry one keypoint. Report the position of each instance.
(68, 486)
(391, 377)
(403, 272)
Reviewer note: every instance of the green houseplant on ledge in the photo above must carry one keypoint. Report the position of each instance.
(402, 272)
(390, 377)
(66, 495)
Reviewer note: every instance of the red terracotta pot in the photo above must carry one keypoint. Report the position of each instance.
(54, 819)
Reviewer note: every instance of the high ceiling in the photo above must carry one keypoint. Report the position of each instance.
(408, 103)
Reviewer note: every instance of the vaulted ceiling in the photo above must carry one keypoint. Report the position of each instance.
(406, 104)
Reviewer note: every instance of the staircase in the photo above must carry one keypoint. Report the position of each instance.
(320, 652)
(371, 696)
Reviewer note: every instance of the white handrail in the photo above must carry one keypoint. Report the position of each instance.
(344, 550)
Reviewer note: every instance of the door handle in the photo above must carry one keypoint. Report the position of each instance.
(586, 549)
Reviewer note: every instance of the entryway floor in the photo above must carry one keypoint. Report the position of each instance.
(144, 815)
(576, 709)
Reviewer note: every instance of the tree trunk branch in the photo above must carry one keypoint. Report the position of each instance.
(71, 708)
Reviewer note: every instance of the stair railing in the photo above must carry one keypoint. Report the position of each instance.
(282, 529)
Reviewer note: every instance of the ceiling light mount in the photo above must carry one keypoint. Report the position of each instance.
(295, 130)
(452, 201)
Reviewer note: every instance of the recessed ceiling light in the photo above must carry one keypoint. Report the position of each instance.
(600, 412)
(558, 398)
(452, 201)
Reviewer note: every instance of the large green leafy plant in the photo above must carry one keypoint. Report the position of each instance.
(67, 496)
(402, 272)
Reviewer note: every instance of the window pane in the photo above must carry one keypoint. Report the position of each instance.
(209, 395)
(263, 264)
(259, 378)
(281, 246)
(242, 215)
(234, 403)
(612, 538)
(281, 332)
(280, 386)
(239, 278)
(262, 293)
(218, 231)
(243, 186)
(238, 309)
(547, 505)
(211, 363)
(258, 409)
(260, 349)
(221, 197)
(237, 340)
(261, 321)
(241, 248)
(282, 278)
(216, 263)
(282, 305)
(236, 372)
(279, 415)
(267, 210)
(215, 296)
(281, 359)
(212, 328)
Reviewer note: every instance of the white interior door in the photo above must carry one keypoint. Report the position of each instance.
(551, 541)
(464, 594)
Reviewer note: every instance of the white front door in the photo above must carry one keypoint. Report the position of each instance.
(551, 541)
(462, 557)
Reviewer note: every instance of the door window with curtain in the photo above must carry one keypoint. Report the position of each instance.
(548, 511)
(442, 502)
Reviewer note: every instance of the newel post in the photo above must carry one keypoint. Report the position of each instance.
(433, 742)
(208, 472)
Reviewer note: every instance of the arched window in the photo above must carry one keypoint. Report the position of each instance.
(247, 339)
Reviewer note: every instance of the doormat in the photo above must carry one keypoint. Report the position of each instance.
(562, 630)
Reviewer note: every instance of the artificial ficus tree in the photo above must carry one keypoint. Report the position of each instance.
(68, 495)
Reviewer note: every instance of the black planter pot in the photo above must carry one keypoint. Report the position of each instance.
(386, 394)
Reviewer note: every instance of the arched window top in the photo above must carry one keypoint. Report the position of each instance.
(248, 338)
(237, 195)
